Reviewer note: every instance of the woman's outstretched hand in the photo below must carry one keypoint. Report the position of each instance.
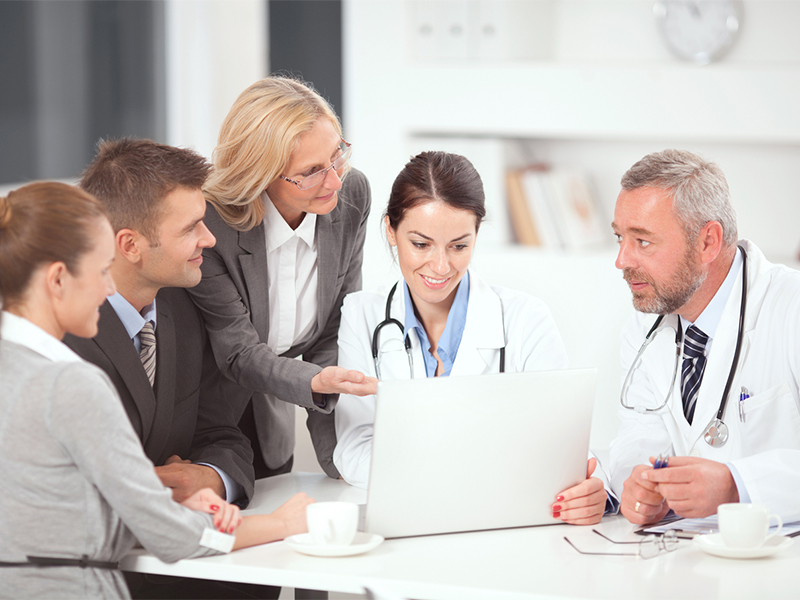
(226, 516)
(292, 514)
(338, 380)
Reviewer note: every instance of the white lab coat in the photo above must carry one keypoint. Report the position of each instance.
(532, 344)
(765, 448)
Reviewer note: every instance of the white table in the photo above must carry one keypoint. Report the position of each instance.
(529, 563)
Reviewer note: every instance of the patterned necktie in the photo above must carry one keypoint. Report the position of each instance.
(694, 363)
(147, 336)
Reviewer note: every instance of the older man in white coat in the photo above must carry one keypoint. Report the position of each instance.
(730, 418)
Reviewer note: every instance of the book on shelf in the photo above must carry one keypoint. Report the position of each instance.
(554, 207)
(519, 212)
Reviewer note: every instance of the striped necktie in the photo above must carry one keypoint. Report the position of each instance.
(694, 364)
(147, 337)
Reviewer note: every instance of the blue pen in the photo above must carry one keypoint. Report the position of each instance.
(744, 395)
(662, 461)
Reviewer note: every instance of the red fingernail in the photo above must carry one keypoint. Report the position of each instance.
(230, 529)
(214, 507)
(560, 498)
(221, 530)
(557, 508)
(556, 515)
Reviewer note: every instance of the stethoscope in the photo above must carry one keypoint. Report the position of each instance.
(388, 320)
(716, 432)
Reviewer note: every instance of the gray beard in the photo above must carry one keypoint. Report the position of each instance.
(670, 296)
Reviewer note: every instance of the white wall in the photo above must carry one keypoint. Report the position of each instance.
(215, 49)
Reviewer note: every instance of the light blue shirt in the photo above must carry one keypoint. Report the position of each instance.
(707, 322)
(453, 330)
(133, 321)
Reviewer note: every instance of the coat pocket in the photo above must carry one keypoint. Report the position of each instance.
(770, 420)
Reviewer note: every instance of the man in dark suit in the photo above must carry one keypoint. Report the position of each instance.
(152, 341)
(170, 388)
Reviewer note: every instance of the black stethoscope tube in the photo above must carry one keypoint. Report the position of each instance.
(388, 320)
(739, 337)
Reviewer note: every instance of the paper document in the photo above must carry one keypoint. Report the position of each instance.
(688, 528)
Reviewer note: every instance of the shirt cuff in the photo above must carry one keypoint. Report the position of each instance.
(740, 487)
(233, 491)
(321, 400)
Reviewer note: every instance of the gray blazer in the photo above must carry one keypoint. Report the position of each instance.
(234, 299)
(76, 481)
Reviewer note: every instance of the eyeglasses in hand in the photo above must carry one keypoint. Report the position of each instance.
(646, 548)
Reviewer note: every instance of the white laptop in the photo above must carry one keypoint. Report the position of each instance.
(456, 454)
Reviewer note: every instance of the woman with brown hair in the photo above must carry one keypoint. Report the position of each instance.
(78, 491)
(290, 218)
(447, 321)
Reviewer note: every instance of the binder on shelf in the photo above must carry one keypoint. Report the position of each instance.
(539, 193)
(576, 210)
(518, 211)
(554, 208)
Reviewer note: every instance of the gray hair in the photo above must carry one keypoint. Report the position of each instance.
(699, 190)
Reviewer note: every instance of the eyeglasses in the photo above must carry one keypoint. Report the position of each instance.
(313, 180)
(646, 548)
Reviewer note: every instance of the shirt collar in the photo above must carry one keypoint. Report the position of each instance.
(277, 230)
(450, 339)
(456, 320)
(21, 331)
(131, 319)
(712, 314)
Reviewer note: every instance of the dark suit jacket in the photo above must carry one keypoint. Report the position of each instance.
(234, 300)
(184, 413)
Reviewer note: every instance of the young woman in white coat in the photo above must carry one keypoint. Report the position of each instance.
(78, 490)
(455, 322)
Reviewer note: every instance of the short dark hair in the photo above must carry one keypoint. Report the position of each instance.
(131, 177)
(428, 176)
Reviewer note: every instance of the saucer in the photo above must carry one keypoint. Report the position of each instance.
(713, 544)
(363, 542)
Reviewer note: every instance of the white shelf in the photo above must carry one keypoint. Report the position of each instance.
(738, 105)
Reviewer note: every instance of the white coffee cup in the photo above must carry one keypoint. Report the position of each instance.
(332, 523)
(746, 525)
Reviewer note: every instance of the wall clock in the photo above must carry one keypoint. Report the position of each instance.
(699, 31)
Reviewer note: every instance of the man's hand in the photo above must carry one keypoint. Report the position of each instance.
(641, 502)
(338, 380)
(693, 487)
(583, 504)
(186, 478)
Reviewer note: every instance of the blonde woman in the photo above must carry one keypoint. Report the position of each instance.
(290, 222)
(78, 490)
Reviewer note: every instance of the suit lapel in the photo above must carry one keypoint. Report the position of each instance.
(330, 241)
(165, 381)
(113, 340)
(254, 271)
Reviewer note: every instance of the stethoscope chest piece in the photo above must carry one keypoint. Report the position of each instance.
(716, 433)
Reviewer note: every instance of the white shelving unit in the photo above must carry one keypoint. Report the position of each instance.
(601, 92)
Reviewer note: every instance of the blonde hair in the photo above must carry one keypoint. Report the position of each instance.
(255, 142)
